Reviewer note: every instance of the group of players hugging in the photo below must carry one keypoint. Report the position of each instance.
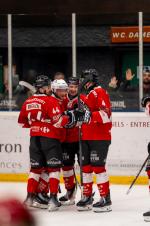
(54, 114)
(68, 119)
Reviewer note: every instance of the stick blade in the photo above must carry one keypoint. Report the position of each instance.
(128, 191)
(27, 85)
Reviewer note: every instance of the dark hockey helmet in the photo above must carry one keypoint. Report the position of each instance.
(145, 100)
(42, 80)
(90, 75)
(73, 81)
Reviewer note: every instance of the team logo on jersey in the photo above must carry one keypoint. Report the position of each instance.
(33, 162)
(55, 110)
(94, 156)
(35, 129)
(53, 161)
(44, 129)
(65, 156)
(33, 106)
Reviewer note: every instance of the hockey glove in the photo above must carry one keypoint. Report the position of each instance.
(72, 121)
(87, 116)
(79, 115)
(82, 116)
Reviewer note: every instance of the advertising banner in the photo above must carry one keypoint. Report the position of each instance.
(129, 34)
(14, 145)
(130, 135)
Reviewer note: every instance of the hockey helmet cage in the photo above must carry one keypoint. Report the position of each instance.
(59, 84)
(41, 81)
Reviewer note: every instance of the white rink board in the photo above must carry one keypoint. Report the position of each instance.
(130, 135)
(14, 144)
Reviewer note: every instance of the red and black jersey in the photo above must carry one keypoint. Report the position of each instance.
(43, 115)
(63, 107)
(99, 127)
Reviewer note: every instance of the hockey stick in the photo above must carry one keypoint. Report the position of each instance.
(27, 85)
(76, 180)
(133, 182)
(80, 145)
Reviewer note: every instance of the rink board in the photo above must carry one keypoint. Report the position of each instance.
(130, 135)
(113, 179)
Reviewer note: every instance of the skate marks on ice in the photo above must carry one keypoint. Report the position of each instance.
(127, 210)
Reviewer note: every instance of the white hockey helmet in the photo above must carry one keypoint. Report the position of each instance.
(59, 84)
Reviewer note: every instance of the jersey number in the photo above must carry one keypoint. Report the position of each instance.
(36, 117)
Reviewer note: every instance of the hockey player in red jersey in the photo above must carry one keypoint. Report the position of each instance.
(70, 146)
(43, 115)
(146, 105)
(96, 138)
(60, 91)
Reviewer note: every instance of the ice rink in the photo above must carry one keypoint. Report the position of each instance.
(127, 209)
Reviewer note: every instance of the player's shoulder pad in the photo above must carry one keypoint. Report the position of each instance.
(144, 101)
(93, 92)
(100, 90)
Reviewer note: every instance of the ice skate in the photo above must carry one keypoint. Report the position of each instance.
(104, 205)
(85, 203)
(29, 200)
(69, 197)
(53, 203)
(44, 196)
(41, 201)
(146, 216)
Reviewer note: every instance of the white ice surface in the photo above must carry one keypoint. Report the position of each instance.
(127, 209)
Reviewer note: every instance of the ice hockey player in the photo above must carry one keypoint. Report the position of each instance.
(59, 92)
(61, 95)
(70, 146)
(96, 138)
(146, 105)
(43, 115)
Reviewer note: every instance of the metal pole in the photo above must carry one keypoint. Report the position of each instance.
(9, 20)
(74, 45)
(140, 58)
